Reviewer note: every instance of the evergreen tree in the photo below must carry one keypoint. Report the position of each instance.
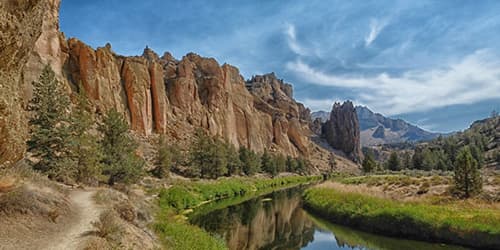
(250, 161)
(48, 125)
(84, 148)
(407, 162)
(291, 164)
(164, 158)
(268, 164)
(393, 163)
(280, 161)
(301, 165)
(369, 163)
(121, 163)
(208, 156)
(467, 176)
(234, 165)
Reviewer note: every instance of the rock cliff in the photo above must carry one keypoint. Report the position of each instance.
(342, 130)
(156, 94)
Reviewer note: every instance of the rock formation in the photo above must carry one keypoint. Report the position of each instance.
(155, 94)
(342, 130)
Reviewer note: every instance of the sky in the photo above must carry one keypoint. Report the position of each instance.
(433, 63)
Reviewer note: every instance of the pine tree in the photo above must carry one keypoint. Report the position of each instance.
(369, 163)
(234, 164)
(393, 163)
(268, 164)
(84, 148)
(208, 156)
(48, 124)
(467, 176)
(121, 163)
(250, 161)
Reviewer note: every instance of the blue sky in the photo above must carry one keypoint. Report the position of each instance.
(433, 63)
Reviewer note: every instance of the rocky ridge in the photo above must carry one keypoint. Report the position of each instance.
(157, 94)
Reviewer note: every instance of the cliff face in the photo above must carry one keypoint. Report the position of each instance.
(156, 94)
(22, 24)
(342, 130)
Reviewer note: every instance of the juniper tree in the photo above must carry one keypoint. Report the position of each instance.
(393, 163)
(48, 124)
(121, 163)
(208, 156)
(466, 174)
(369, 163)
(291, 164)
(83, 145)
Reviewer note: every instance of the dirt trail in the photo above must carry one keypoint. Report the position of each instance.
(86, 211)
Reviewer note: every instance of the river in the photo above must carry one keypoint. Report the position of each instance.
(278, 221)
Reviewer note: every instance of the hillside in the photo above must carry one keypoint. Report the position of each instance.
(377, 129)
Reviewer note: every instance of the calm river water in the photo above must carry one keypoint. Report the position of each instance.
(277, 221)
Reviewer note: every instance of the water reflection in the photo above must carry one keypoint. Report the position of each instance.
(277, 221)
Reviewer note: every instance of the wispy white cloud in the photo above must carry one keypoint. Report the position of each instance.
(474, 78)
(293, 44)
(376, 26)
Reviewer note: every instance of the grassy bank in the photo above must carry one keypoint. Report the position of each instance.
(443, 223)
(174, 230)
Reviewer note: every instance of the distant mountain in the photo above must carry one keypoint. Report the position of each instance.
(377, 129)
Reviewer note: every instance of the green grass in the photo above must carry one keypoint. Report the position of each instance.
(184, 195)
(446, 223)
(171, 224)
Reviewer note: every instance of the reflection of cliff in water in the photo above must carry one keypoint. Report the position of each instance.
(279, 223)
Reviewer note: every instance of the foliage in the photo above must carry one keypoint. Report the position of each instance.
(268, 164)
(121, 163)
(474, 227)
(168, 156)
(250, 161)
(467, 176)
(369, 163)
(393, 163)
(49, 125)
(208, 156)
(83, 146)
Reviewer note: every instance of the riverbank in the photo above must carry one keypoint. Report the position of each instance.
(183, 197)
(449, 222)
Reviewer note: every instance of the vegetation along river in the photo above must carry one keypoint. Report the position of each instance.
(278, 221)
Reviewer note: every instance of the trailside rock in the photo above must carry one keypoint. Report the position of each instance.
(342, 130)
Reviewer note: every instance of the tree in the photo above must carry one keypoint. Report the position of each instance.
(291, 164)
(280, 161)
(121, 163)
(393, 163)
(48, 125)
(234, 165)
(268, 164)
(467, 176)
(369, 163)
(208, 155)
(407, 162)
(164, 158)
(84, 148)
(250, 161)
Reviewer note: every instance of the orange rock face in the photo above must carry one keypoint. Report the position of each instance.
(155, 94)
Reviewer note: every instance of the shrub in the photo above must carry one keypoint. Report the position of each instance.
(108, 226)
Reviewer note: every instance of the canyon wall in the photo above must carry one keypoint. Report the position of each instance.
(156, 94)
